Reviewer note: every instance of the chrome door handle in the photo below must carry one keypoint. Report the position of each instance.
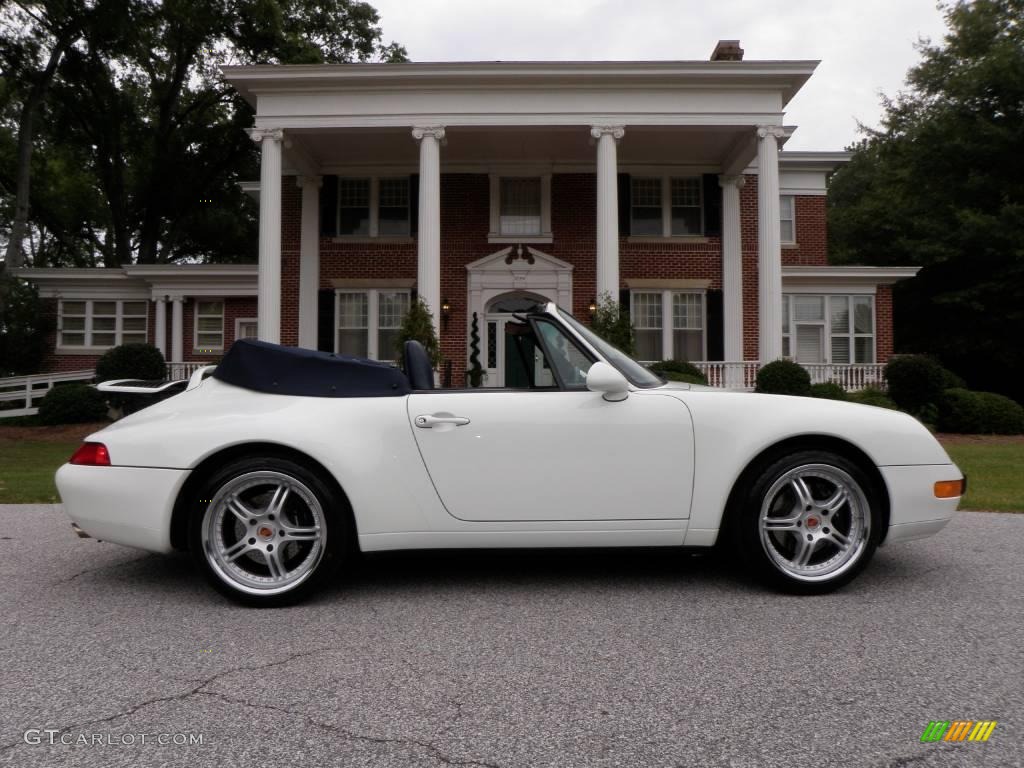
(428, 421)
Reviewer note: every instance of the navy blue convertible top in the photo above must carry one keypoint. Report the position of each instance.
(279, 370)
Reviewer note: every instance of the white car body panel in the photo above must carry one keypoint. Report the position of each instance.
(510, 440)
(654, 469)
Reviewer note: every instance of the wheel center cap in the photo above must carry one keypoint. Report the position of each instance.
(265, 532)
(812, 522)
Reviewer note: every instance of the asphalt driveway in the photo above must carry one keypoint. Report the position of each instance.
(599, 658)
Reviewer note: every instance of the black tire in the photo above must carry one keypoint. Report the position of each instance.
(771, 536)
(314, 514)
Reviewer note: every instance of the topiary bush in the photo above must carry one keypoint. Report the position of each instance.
(828, 391)
(131, 361)
(979, 413)
(783, 377)
(679, 370)
(916, 381)
(72, 404)
(872, 396)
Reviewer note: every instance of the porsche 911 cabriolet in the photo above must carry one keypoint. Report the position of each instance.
(279, 464)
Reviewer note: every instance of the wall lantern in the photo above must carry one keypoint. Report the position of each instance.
(446, 310)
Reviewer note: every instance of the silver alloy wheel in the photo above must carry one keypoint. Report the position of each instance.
(815, 522)
(264, 533)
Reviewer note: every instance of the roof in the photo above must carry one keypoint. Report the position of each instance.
(787, 75)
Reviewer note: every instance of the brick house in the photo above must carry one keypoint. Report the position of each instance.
(482, 186)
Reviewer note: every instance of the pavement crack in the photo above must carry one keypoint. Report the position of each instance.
(429, 747)
(99, 568)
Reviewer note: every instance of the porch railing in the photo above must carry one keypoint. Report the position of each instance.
(743, 375)
(177, 371)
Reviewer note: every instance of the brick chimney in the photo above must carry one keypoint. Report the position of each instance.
(727, 50)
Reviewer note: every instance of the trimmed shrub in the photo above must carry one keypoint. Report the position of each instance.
(828, 391)
(611, 322)
(72, 404)
(872, 396)
(679, 370)
(981, 413)
(916, 381)
(131, 361)
(783, 377)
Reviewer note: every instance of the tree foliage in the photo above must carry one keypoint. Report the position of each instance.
(613, 325)
(139, 143)
(941, 186)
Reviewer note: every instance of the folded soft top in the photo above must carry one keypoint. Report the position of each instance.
(279, 370)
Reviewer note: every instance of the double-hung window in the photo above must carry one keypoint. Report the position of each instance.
(373, 207)
(666, 206)
(828, 328)
(209, 334)
(669, 324)
(520, 208)
(787, 219)
(89, 323)
(368, 321)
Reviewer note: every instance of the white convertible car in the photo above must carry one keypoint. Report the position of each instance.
(282, 463)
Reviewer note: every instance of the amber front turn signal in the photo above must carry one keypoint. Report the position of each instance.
(949, 489)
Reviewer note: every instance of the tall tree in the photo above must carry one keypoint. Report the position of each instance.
(941, 185)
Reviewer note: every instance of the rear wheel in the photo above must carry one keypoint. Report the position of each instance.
(271, 533)
(810, 522)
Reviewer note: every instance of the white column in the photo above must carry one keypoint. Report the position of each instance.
(769, 250)
(309, 261)
(732, 267)
(177, 332)
(428, 238)
(160, 329)
(269, 280)
(607, 209)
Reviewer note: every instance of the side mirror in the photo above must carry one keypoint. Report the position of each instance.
(603, 378)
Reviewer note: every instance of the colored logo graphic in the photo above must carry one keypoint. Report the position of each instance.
(958, 730)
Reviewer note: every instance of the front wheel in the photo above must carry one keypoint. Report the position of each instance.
(267, 531)
(810, 522)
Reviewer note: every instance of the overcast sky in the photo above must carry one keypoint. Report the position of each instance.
(865, 46)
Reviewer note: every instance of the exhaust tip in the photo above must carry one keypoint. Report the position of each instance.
(79, 532)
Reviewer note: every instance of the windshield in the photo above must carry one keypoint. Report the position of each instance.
(627, 366)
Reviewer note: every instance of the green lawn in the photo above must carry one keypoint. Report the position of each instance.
(995, 474)
(27, 467)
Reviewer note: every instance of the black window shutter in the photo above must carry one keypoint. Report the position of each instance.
(715, 328)
(325, 320)
(624, 300)
(712, 205)
(414, 204)
(329, 206)
(625, 203)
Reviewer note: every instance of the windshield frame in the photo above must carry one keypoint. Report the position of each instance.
(635, 373)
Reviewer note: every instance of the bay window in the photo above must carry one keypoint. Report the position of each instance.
(669, 324)
(90, 324)
(819, 328)
(368, 322)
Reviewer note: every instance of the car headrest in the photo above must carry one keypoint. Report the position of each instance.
(416, 363)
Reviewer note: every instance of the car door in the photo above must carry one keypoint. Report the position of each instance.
(560, 453)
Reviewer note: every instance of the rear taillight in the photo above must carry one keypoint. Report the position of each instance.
(92, 454)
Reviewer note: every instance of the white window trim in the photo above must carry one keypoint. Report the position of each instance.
(666, 205)
(240, 320)
(372, 316)
(793, 219)
(668, 317)
(374, 233)
(494, 234)
(195, 322)
(826, 324)
(88, 348)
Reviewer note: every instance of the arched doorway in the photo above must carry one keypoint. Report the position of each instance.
(504, 357)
